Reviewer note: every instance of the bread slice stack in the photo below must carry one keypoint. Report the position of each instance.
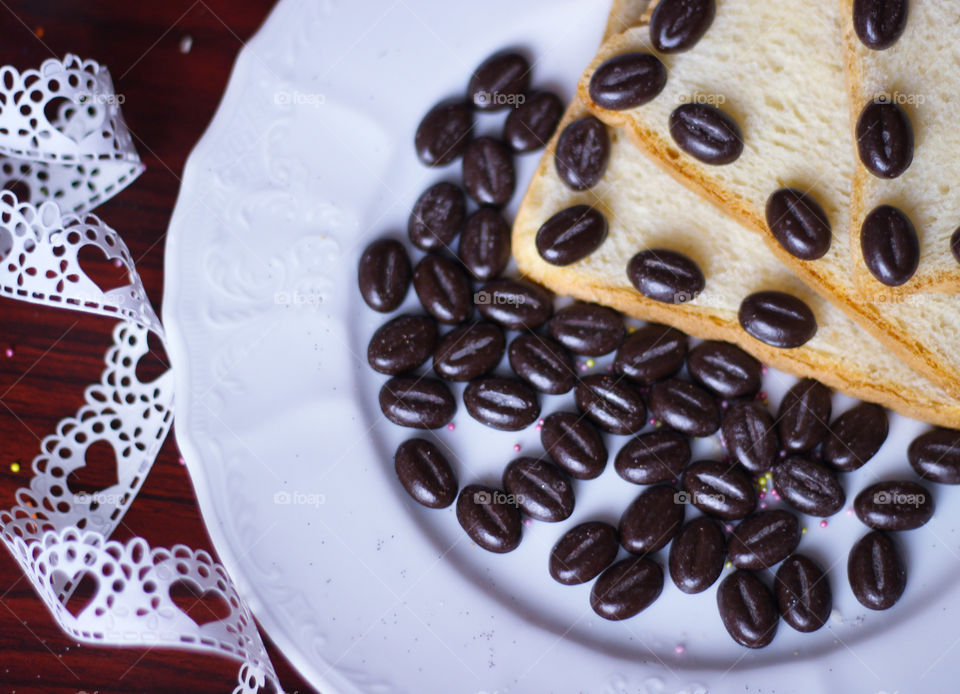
(654, 195)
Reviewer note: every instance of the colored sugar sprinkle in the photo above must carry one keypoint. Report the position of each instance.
(763, 504)
(591, 363)
(14, 466)
(728, 564)
(451, 426)
(823, 524)
(803, 530)
(9, 352)
(679, 649)
(728, 527)
(516, 446)
(762, 495)
(850, 511)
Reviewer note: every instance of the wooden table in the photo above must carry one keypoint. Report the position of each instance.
(170, 96)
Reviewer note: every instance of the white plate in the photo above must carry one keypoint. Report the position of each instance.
(309, 158)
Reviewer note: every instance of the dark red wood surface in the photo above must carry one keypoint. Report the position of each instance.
(169, 98)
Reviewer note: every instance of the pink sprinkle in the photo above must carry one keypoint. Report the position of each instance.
(526, 521)
(451, 426)
(118, 262)
(823, 524)
(762, 495)
(775, 494)
(516, 446)
(850, 511)
(181, 460)
(9, 352)
(728, 528)
(653, 421)
(679, 649)
(764, 369)
(540, 423)
(763, 504)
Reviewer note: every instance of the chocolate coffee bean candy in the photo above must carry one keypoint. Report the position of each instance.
(540, 488)
(803, 593)
(894, 505)
(885, 139)
(658, 456)
(501, 403)
(652, 520)
(611, 403)
(542, 363)
(677, 25)
(500, 81)
(664, 275)
(485, 243)
(719, 489)
(799, 224)
(706, 133)
(443, 289)
(583, 552)
(437, 216)
(777, 319)
(425, 473)
(402, 344)
(416, 402)
(488, 173)
(876, 572)
(587, 329)
(514, 304)
(763, 539)
(626, 588)
(384, 275)
(808, 486)
(489, 518)
(879, 23)
(748, 609)
(888, 241)
(724, 369)
(627, 80)
(750, 436)
(574, 444)
(443, 133)
(935, 455)
(531, 124)
(469, 351)
(651, 353)
(571, 235)
(697, 555)
(684, 407)
(582, 153)
(855, 436)
(803, 415)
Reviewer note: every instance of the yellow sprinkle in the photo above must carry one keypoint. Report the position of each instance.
(15, 467)
(728, 564)
(803, 530)
(590, 363)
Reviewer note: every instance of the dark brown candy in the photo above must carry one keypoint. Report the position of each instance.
(627, 80)
(437, 216)
(777, 319)
(542, 363)
(587, 329)
(582, 152)
(501, 403)
(384, 275)
(724, 369)
(425, 473)
(955, 245)
(809, 486)
(531, 124)
(652, 520)
(626, 588)
(935, 455)
(611, 403)
(574, 444)
(665, 275)
(799, 224)
(879, 23)
(763, 539)
(490, 518)
(684, 407)
(402, 344)
(514, 304)
(419, 403)
(876, 572)
(719, 489)
(651, 353)
(469, 351)
(697, 555)
(803, 593)
(500, 81)
(803, 415)
(748, 609)
(583, 552)
(885, 139)
(706, 133)
(488, 173)
(894, 505)
(658, 456)
(855, 436)
(750, 436)
(540, 489)
(571, 235)
(485, 243)
(443, 133)
(677, 25)
(443, 289)
(888, 241)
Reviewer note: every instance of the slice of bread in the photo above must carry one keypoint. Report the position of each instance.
(918, 72)
(775, 67)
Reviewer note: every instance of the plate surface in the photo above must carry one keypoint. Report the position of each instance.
(308, 159)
